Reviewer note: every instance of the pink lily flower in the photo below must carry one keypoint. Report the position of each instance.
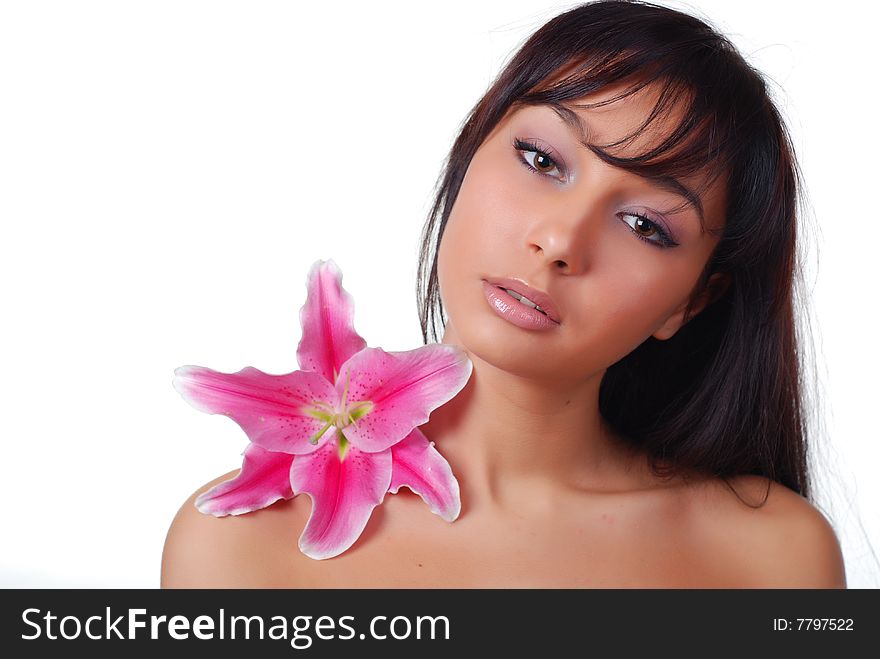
(343, 429)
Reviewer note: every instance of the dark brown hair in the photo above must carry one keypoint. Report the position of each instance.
(724, 395)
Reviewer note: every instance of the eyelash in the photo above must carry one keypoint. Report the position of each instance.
(526, 145)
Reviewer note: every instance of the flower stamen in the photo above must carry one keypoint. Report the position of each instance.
(314, 438)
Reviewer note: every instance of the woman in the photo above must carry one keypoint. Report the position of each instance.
(644, 427)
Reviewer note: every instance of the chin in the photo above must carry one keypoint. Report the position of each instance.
(490, 339)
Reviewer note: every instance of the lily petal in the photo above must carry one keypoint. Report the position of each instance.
(420, 467)
(264, 478)
(271, 409)
(328, 335)
(343, 495)
(404, 387)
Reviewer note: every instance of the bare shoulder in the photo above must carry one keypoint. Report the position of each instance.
(768, 536)
(204, 551)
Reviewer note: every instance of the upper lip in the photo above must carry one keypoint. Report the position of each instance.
(538, 297)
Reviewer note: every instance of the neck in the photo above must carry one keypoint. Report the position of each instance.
(514, 441)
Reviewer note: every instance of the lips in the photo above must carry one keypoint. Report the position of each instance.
(537, 296)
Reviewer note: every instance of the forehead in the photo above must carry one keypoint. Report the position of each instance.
(621, 118)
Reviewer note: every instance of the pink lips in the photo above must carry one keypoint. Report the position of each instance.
(514, 311)
(538, 297)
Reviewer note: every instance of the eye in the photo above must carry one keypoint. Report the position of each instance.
(544, 162)
(646, 229)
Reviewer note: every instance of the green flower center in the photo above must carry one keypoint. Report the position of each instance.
(349, 414)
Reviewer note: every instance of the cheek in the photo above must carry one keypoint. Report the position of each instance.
(623, 306)
(492, 199)
(482, 218)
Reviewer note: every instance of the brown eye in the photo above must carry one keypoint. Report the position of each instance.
(648, 231)
(645, 227)
(543, 161)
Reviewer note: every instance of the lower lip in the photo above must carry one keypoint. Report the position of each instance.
(514, 311)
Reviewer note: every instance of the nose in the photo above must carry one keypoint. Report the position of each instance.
(561, 238)
(570, 223)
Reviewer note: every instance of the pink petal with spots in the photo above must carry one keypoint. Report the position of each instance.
(417, 465)
(343, 495)
(271, 409)
(404, 387)
(263, 479)
(328, 335)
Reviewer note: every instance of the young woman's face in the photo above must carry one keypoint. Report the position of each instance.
(569, 229)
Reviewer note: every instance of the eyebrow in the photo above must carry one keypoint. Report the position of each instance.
(668, 183)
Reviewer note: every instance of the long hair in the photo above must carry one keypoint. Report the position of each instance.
(724, 395)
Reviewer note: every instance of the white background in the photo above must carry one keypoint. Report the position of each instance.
(170, 170)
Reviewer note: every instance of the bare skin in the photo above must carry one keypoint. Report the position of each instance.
(698, 536)
(550, 496)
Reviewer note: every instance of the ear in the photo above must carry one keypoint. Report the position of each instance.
(713, 289)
